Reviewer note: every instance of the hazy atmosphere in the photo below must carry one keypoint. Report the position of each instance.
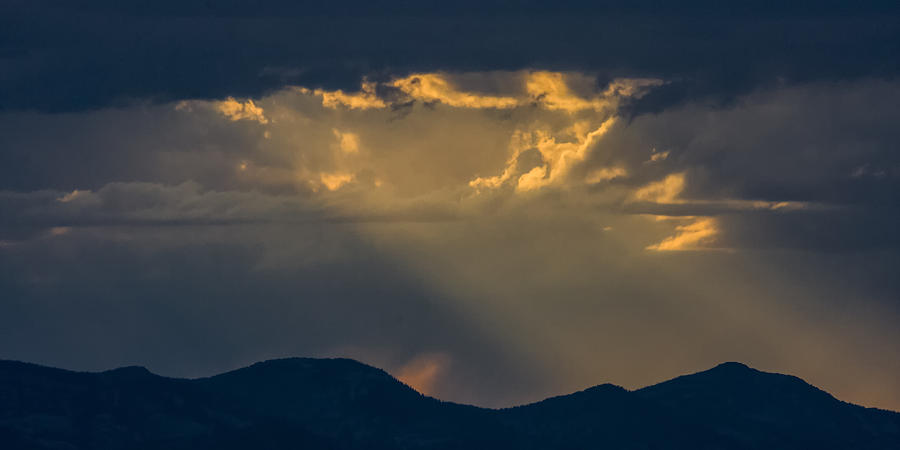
(494, 207)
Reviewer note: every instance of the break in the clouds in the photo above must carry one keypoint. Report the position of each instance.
(610, 196)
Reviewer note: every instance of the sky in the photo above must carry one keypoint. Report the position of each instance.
(494, 201)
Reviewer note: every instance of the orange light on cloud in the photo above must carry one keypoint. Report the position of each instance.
(424, 372)
(236, 110)
(432, 87)
(550, 90)
(658, 156)
(70, 196)
(665, 191)
(364, 99)
(334, 181)
(605, 174)
(348, 142)
(692, 236)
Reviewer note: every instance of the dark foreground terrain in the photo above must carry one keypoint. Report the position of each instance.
(343, 404)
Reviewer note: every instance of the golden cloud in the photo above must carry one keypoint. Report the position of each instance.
(693, 236)
(334, 181)
(432, 87)
(364, 99)
(549, 90)
(236, 110)
(665, 191)
(658, 156)
(605, 174)
(347, 142)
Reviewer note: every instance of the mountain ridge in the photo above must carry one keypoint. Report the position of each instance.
(344, 404)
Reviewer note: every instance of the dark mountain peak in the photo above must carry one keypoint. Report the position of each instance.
(734, 366)
(733, 379)
(130, 372)
(737, 397)
(605, 390)
(307, 364)
(300, 387)
(731, 372)
(605, 387)
(322, 372)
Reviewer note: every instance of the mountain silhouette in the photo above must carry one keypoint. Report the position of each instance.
(308, 403)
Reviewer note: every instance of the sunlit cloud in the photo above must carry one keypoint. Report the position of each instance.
(334, 181)
(548, 90)
(666, 190)
(605, 174)
(658, 156)
(552, 91)
(70, 196)
(549, 136)
(236, 110)
(560, 117)
(347, 141)
(432, 87)
(693, 236)
(558, 157)
(364, 99)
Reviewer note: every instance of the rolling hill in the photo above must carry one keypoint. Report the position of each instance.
(308, 403)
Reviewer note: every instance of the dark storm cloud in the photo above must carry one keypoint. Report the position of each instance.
(65, 56)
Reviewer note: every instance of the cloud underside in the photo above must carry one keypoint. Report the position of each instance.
(56, 49)
(472, 232)
(440, 146)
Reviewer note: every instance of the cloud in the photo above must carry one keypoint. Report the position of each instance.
(365, 99)
(348, 142)
(333, 181)
(236, 110)
(310, 149)
(548, 90)
(657, 156)
(70, 196)
(364, 154)
(551, 90)
(436, 88)
(605, 174)
(693, 236)
(557, 158)
(665, 191)
(261, 49)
